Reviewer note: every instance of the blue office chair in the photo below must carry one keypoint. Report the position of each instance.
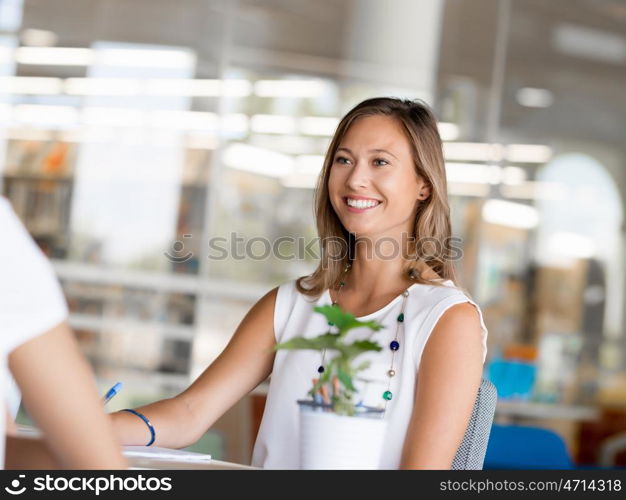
(521, 447)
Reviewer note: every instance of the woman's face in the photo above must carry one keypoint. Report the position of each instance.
(373, 185)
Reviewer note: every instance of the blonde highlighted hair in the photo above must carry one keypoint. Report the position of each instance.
(432, 220)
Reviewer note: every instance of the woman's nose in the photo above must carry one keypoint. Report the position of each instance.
(358, 177)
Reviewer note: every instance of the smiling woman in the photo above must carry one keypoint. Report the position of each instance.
(380, 195)
(384, 165)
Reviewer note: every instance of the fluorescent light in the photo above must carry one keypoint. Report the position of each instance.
(5, 114)
(145, 58)
(468, 189)
(236, 88)
(535, 190)
(39, 38)
(590, 43)
(236, 123)
(289, 144)
(257, 160)
(273, 124)
(534, 98)
(473, 173)
(472, 151)
(309, 164)
(507, 213)
(102, 86)
(528, 153)
(187, 120)
(32, 134)
(318, 125)
(30, 85)
(198, 87)
(157, 87)
(36, 114)
(448, 131)
(54, 56)
(291, 88)
(571, 245)
(299, 181)
(6, 54)
(201, 141)
(513, 175)
(113, 117)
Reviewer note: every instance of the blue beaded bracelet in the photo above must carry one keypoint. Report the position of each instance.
(145, 419)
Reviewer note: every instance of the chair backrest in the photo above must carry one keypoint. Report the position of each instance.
(524, 447)
(471, 453)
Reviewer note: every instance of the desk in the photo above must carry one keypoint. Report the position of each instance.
(150, 463)
(517, 410)
(154, 463)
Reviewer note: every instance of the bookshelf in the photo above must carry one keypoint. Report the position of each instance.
(138, 324)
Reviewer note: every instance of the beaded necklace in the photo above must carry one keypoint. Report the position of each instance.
(394, 345)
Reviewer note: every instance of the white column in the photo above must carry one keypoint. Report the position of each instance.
(396, 42)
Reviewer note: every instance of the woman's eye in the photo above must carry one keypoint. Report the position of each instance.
(342, 160)
(379, 162)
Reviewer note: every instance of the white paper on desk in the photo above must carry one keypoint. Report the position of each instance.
(156, 453)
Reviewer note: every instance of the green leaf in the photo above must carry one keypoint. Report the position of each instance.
(363, 366)
(335, 315)
(324, 341)
(345, 379)
(344, 320)
(359, 347)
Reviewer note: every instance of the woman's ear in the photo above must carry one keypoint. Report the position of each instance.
(424, 191)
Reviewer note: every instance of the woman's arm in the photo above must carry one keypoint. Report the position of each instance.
(59, 392)
(448, 380)
(246, 361)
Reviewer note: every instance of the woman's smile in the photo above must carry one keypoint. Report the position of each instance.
(360, 204)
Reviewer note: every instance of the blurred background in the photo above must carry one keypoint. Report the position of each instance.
(133, 132)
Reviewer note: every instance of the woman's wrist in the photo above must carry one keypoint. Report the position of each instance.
(147, 423)
(129, 430)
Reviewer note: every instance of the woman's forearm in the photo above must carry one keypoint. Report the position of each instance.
(172, 422)
(180, 421)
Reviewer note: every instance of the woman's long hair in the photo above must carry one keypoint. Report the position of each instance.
(431, 229)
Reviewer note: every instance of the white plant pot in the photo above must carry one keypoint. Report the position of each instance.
(331, 441)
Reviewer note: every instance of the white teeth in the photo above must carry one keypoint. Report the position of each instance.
(362, 203)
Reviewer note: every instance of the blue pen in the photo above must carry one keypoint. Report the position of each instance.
(112, 392)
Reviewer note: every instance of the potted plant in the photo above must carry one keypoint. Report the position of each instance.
(336, 433)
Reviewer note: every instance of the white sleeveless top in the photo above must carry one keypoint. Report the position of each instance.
(276, 445)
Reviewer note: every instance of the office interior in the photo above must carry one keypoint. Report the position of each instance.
(136, 136)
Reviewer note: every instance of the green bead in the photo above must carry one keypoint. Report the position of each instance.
(387, 395)
(401, 317)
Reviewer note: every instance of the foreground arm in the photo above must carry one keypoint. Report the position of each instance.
(60, 395)
(245, 362)
(447, 384)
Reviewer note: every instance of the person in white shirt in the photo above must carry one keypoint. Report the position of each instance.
(55, 380)
(381, 198)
